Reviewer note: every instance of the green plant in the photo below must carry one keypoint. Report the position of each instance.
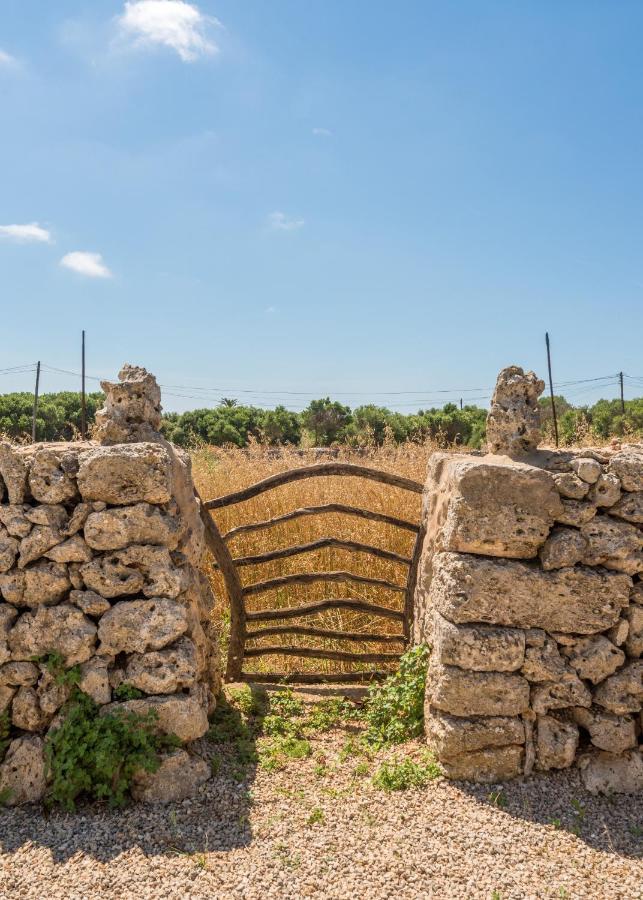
(401, 774)
(126, 691)
(394, 710)
(316, 817)
(284, 703)
(498, 798)
(98, 755)
(328, 713)
(278, 725)
(636, 830)
(215, 765)
(5, 796)
(361, 769)
(54, 662)
(274, 754)
(5, 733)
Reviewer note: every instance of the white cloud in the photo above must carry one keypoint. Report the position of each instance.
(7, 60)
(90, 264)
(322, 132)
(281, 222)
(26, 233)
(271, 309)
(170, 23)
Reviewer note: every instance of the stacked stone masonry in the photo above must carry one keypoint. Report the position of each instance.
(531, 595)
(100, 548)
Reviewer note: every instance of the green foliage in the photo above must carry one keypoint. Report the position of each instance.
(284, 703)
(394, 710)
(98, 755)
(326, 420)
(274, 753)
(401, 774)
(58, 417)
(316, 816)
(5, 733)
(328, 714)
(54, 662)
(126, 691)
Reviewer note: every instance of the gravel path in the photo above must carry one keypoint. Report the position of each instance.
(308, 832)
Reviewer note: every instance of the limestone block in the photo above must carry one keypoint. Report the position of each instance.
(132, 410)
(110, 578)
(6, 696)
(77, 519)
(587, 469)
(568, 691)
(634, 642)
(22, 774)
(463, 693)
(606, 492)
(8, 550)
(594, 658)
(618, 633)
(629, 507)
(637, 593)
(564, 547)
(482, 648)
(19, 674)
(613, 544)
(136, 568)
(94, 679)
(178, 777)
(556, 743)
(126, 474)
(74, 549)
(51, 515)
(543, 661)
(136, 626)
(8, 615)
(45, 582)
(605, 773)
(580, 600)
(513, 423)
(178, 714)
(25, 711)
(622, 692)
(571, 486)
(52, 474)
(627, 465)
(163, 671)
(38, 541)
(73, 570)
(51, 694)
(141, 523)
(607, 731)
(576, 513)
(489, 505)
(450, 736)
(58, 629)
(91, 603)
(14, 520)
(485, 766)
(13, 471)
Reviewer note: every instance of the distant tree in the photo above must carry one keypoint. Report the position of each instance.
(326, 420)
(58, 418)
(228, 402)
(280, 426)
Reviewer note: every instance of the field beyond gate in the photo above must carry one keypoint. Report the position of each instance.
(298, 541)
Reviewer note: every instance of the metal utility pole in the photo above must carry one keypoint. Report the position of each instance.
(620, 377)
(83, 401)
(35, 404)
(551, 388)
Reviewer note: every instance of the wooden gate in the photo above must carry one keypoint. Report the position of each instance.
(241, 617)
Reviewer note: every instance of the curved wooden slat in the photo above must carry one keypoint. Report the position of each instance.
(285, 552)
(315, 653)
(320, 510)
(328, 634)
(311, 577)
(306, 609)
(411, 583)
(314, 471)
(314, 677)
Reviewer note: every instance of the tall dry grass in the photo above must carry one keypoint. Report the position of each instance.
(219, 471)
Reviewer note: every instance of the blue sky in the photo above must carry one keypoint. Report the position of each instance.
(295, 198)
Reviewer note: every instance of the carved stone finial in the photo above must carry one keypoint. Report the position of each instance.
(513, 423)
(132, 410)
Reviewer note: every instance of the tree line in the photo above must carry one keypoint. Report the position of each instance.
(324, 422)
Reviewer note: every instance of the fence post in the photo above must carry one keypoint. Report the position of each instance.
(551, 388)
(35, 404)
(83, 402)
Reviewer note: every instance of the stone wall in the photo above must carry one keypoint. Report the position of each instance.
(100, 547)
(531, 595)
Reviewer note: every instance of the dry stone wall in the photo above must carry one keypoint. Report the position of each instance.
(100, 548)
(531, 595)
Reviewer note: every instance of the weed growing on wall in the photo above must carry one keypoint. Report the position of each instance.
(394, 710)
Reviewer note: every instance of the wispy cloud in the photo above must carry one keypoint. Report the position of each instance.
(271, 309)
(32, 233)
(85, 263)
(7, 60)
(175, 24)
(322, 132)
(281, 222)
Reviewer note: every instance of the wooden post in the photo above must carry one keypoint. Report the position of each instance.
(460, 402)
(83, 401)
(620, 376)
(35, 404)
(551, 388)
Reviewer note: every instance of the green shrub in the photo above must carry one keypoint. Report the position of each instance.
(98, 755)
(126, 691)
(284, 703)
(394, 710)
(399, 775)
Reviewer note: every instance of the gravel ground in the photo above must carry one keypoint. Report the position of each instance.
(301, 833)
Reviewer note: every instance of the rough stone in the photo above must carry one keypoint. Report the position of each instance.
(19, 674)
(133, 473)
(485, 766)
(613, 544)
(606, 492)
(482, 648)
(141, 523)
(468, 588)
(58, 629)
(51, 694)
(634, 642)
(6, 696)
(136, 568)
(43, 583)
(576, 513)
(543, 661)
(94, 679)
(51, 476)
(556, 743)
(36, 544)
(14, 520)
(568, 691)
(22, 774)
(622, 692)
(91, 603)
(604, 773)
(52, 515)
(615, 734)
(513, 423)
(108, 577)
(587, 469)
(564, 547)
(132, 409)
(163, 671)
(178, 714)
(8, 551)
(449, 736)
(178, 777)
(8, 615)
(463, 693)
(630, 508)
(136, 626)
(13, 471)
(74, 549)
(25, 710)
(594, 658)
(618, 633)
(571, 486)
(627, 465)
